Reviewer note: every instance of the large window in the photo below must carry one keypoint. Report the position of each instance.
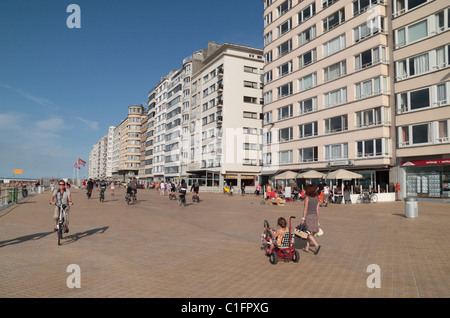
(285, 90)
(336, 124)
(335, 71)
(307, 82)
(308, 105)
(307, 13)
(360, 6)
(370, 57)
(335, 45)
(414, 134)
(285, 27)
(373, 86)
(307, 58)
(285, 157)
(372, 117)
(369, 28)
(284, 7)
(402, 6)
(336, 152)
(335, 98)
(411, 33)
(333, 20)
(307, 154)
(434, 96)
(307, 130)
(284, 48)
(372, 148)
(412, 66)
(307, 35)
(285, 112)
(284, 69)
(285, 134)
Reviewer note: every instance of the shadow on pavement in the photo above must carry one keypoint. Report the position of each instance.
(75, 237)
(25, 238)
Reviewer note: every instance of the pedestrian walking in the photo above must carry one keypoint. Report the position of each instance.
(310, 217)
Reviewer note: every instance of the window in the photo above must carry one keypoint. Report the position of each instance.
(284, 7)
(267, 139)
(267, 97)
(370, 57)
(335, 98)
(250, 84)
(336, 151)
(268, 38)
(372, 148)
(415, 65)
(284, 27)
(335, 45)
(307, 154)
(371, 27)
(249, 99)
(285, 69)
(307, 13)
(251, 115)
(307, 130)
(285, 157)
(250, 69)
(307, 82)
(268, 77)
(284, 48)
(267, 159)
(360, 6)
(268, 19)
(307, 35)
(401, 6)
(307, 58)
(414, 134)
(268, 118)
(250, 146)
(411, 33)
(268, 57)
(442, 131)
(372, 117)
(335, 71)
(285, 112)
(333, 20)
(308, 105)
(336, 124)
(285, 134)
(374, 86)
(285, 90)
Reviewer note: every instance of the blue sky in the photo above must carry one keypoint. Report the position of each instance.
(61, 88)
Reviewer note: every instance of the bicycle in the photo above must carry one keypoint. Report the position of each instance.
(61, 222)
(102, 195)
(195, 198)
(367, 198)
(89, 193)
(182, 199)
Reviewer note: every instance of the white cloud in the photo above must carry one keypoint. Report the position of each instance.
(53, 124)
(37, 99)
(91, 124)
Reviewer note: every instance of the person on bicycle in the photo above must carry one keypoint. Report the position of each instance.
(61, 196)
(183, 189)
(133, 186)
(102, 186)
(195, 187)
(90, 186)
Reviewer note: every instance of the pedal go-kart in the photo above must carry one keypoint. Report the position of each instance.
(286, 251)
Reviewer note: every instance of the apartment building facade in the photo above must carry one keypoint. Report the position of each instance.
(100, 157)
(328, 88)
(225, 117)
(421, 55)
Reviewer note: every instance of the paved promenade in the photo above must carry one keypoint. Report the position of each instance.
(155, 248)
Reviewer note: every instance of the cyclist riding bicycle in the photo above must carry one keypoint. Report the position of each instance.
(89, 187)
(183, 190)
(61, 196)
(102, 185)
(133, 186)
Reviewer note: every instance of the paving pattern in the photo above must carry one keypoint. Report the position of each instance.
(157, 249)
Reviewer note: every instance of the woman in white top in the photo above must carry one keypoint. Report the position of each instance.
(326, 193)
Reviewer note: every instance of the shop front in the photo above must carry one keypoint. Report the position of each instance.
(427, 178)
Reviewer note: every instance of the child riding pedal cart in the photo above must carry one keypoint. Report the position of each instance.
(279, 244)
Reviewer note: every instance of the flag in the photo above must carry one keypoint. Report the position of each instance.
(76, 166)
(81, 162)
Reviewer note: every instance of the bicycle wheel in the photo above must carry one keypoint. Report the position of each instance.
(374, 198)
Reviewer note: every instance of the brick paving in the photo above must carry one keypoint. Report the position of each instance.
(155, 248)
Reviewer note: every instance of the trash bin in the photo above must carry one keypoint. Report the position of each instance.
(411, 207)
(13, 195)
